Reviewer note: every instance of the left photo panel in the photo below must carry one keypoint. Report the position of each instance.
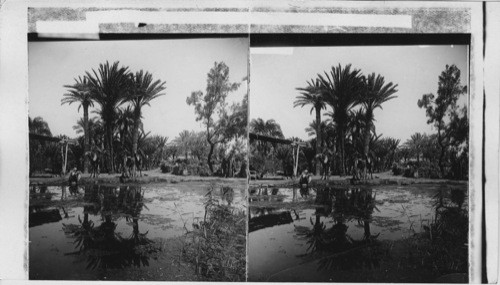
(138, 158)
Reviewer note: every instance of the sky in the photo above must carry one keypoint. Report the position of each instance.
(275, 73)
(183, 64)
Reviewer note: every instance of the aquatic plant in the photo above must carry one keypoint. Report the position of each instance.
(443, 247)
(216, 245)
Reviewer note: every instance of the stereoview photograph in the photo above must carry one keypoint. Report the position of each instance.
(358, 164)
(137, 159)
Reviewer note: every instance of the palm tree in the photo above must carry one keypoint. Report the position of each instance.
(375, 93)
(80, 93)
(109, 86)
(312, 95)
(124, 124)
(267, 128)
(415, 143)
(184, 140)
(94, 126)
(392, 147)
(341, 88)
(159, 142)
(355, 127)
(144, 90)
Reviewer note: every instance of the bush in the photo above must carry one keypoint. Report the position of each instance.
(199, 169)
(165, 167)
(409, 172)
(422, 169)
(177, 169)
(396, 169)
(429, 170)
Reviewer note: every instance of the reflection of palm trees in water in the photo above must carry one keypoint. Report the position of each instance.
(355, 204)
(334, 246)
(101, 245)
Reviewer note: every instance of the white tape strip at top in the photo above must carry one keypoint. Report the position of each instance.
(94, 18)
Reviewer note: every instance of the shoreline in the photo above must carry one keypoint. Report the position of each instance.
(155, 176)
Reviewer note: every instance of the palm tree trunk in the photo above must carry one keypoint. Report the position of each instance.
(135, 138)
(366, 146)
(109, 142)
(342, 151)
(86, 140)
(318, 137)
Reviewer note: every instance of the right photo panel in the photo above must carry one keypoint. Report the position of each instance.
(358, 161)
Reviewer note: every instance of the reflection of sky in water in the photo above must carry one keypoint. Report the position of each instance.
(167, 209)
(399, 212)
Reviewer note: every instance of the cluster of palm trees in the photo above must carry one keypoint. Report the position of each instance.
(350, 99)
(109, 88)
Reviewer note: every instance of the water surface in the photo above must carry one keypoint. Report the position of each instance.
(287, 232)
(101, 232)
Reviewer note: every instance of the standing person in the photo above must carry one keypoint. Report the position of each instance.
(304, 180)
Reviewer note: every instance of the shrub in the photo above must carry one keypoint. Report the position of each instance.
(396, 169)
(409, 172)
(177, 169)
(165, 167)
(429, 170)
(199, 169)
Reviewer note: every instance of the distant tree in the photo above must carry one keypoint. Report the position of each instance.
(441, 107)
(172, 151)
(184, 141)
(267, 128)
(94, 126)
(313, 95)
(37, 148)
(211, 106)
(160, 142)
(39, 126)
(199, 146)
(416, 144)
(80, 93)
(430, 148)
(392, 146)
(284, 155)
(153, 149)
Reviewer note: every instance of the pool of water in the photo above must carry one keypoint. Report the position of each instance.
(288, 231)
(86, 232)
